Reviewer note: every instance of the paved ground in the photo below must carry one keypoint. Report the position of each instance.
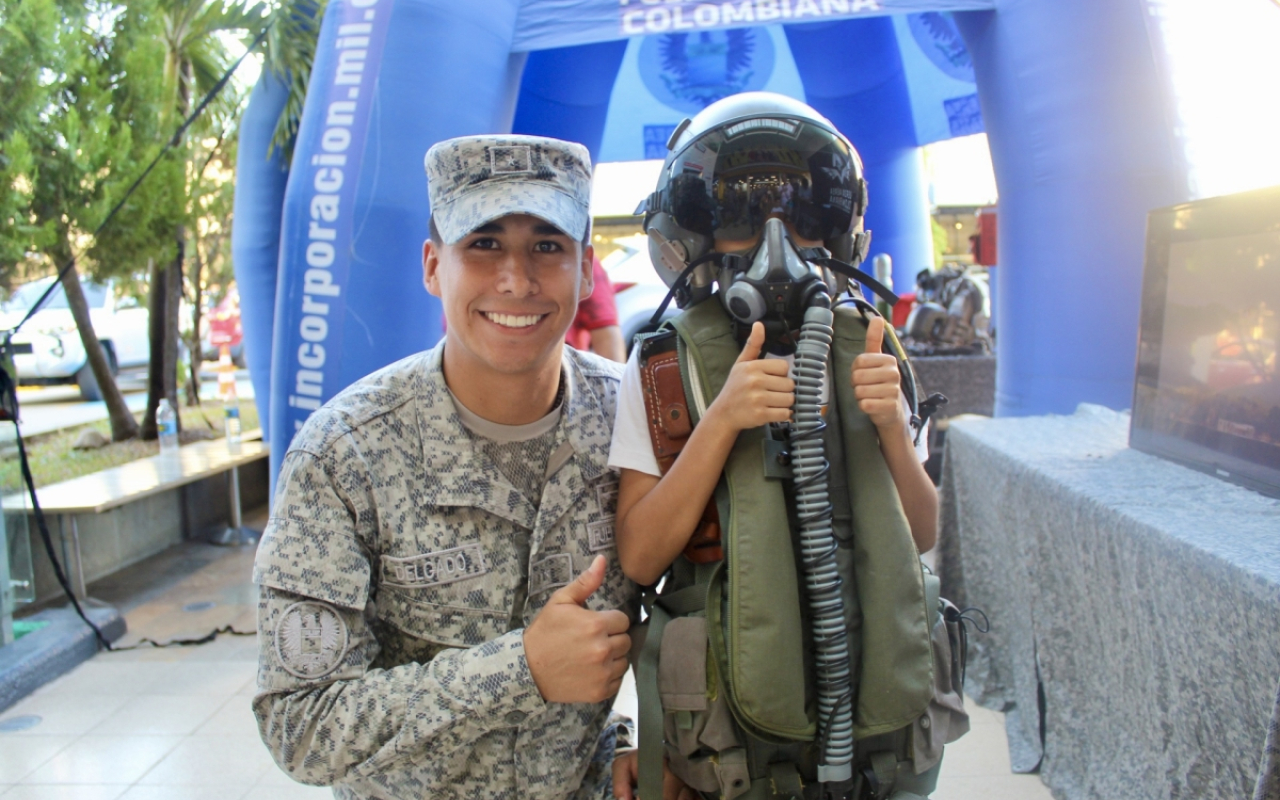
(175, 724)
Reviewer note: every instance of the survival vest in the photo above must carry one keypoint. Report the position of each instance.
(724, 670)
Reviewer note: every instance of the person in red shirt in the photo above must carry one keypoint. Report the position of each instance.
(595, 328)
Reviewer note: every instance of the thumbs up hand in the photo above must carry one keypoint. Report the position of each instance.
(577, 655)
(757, 390)
(876, 381)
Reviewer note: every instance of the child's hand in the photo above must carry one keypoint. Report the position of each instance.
(876, 381)
(757, 391)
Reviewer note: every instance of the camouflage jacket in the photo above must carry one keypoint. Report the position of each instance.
(396, 575)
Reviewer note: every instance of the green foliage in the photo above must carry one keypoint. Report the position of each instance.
(290, 52)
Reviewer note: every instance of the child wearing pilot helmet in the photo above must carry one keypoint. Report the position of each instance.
(756, 226)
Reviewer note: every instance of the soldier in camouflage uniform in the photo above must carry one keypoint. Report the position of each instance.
(441, 609)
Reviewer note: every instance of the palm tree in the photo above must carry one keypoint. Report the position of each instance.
(196, 57)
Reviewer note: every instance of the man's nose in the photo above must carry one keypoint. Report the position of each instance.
(516, 275)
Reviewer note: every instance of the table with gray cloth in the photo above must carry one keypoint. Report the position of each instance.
(1134, 608)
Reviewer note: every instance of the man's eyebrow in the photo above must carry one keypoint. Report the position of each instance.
(490, 227)
(547, 229)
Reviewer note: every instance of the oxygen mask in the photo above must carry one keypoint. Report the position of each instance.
(773, 284)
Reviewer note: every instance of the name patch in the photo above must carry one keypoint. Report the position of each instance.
(600, 535)
(550, 573)
(434, 569)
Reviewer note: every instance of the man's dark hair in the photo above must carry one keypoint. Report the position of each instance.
(438, 240)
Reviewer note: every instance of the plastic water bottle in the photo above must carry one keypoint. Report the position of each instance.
(231, 416)
(167, 423)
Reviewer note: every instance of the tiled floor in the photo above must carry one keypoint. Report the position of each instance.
(175, 723)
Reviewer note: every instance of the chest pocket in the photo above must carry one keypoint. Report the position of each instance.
(451, 597)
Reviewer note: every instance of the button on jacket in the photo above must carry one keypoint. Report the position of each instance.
(396, 576)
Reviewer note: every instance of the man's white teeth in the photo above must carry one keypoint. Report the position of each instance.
(512, 320)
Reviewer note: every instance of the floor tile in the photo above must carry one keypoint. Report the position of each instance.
(21, 754)
(104, 760)
(185, 793)
(159, 715)
(294, 791)
(988, 787)
(101, 676)
(210, 761)
(66, 713)
(984, 750)
(64, 792)
(234, 718)
(220, 679)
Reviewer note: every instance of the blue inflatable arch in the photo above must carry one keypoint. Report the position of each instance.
(327, 252)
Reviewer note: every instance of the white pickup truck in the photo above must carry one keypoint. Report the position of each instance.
(48, 350)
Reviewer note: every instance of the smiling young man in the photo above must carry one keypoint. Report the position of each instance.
(441, 611)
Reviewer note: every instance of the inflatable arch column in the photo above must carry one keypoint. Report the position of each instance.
(853, 76)
(349, 298)
(565, 93)
(1074, 111)
(261, 175)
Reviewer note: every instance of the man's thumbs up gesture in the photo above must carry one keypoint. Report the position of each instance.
(577, 655)
(876, 381)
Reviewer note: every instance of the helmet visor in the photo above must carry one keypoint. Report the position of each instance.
(732, 179)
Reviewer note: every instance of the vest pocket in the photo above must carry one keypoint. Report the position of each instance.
(453, 625)
(945, 719)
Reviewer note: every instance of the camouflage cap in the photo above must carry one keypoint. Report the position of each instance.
(472, 180)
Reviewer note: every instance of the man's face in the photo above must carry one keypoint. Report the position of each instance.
(510, 290)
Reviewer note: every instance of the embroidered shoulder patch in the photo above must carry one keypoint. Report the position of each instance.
(434, 569)
(310, 639)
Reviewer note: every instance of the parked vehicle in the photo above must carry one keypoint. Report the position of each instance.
(638, 291)
(48, 350)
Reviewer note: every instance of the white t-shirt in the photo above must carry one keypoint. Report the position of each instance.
(633, 449)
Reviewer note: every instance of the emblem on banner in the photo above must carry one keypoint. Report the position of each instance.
(310, 639)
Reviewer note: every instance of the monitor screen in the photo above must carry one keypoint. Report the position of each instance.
(1207, 391)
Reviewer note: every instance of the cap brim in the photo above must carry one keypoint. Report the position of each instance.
(482, 205)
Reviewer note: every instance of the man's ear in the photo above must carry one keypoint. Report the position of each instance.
(431, 267)
(587, 286)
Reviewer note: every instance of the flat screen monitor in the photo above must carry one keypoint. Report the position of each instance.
(1207, 392)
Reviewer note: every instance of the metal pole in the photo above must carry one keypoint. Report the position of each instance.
(235, 534)
(75, 543)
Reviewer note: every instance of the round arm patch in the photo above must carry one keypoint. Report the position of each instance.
(310, 639)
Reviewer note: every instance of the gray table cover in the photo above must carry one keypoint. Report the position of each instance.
(1134, 604)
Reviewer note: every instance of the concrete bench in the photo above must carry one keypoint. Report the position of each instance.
(121, 515)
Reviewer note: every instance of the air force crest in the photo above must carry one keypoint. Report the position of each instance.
(311, 639)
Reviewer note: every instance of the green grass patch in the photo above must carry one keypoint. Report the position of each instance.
(53, 460)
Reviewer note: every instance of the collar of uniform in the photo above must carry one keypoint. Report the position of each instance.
(453, 475)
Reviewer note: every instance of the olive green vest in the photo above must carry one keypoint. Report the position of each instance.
(754, 606)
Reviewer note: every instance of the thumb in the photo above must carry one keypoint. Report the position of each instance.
(755, 342)
(875, 335)
(582, 587)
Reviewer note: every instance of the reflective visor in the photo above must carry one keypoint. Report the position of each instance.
(730, 180)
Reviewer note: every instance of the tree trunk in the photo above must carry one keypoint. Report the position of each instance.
(172, 319)
(155, 336)
(123, 425)
(194, 345)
